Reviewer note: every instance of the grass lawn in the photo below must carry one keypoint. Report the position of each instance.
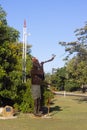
(67, 113)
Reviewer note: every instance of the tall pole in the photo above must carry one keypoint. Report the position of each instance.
(24, 53)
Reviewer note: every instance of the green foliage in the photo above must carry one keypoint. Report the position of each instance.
(54, 81)
(28, 104)
(11, 85)
(11, 75)
(2, 16)
(76, 73)
(7, 33)
(78, 47)
(58, 78)
(71, 86)
(48, 95)
(76, 68)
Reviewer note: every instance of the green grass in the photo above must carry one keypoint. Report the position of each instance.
(68, 113)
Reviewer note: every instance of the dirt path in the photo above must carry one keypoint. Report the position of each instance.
(64, 93)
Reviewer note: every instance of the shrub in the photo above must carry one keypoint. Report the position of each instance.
(71, 86)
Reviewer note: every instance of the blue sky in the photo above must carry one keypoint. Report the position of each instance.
(48, 22)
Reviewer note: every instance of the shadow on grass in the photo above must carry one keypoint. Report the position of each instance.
(81, 99)
(53, 109)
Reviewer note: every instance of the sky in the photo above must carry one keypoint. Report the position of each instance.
(48, 22)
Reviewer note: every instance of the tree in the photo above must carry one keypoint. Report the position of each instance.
(7, 33)
(76, 74)
(2, 16)
(8, 57)
(11, 85)
(76, 67)
(58, 78)
(48, 95)
(78, 47)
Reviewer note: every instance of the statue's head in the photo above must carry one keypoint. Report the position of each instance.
(35, 62)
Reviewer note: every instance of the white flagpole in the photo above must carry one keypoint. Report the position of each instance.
(24, 52)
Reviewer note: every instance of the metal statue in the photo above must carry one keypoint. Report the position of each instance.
(37, 77)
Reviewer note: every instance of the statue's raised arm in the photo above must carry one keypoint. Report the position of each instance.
(52, 58)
